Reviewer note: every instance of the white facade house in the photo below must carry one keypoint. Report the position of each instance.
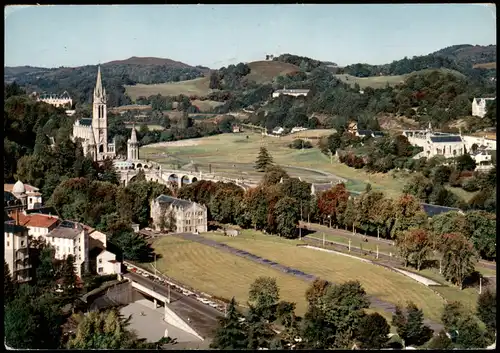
(298, 129)
(107, 264)
(278, 130)
(479, 106)
(39, 225)
(29, 196)
(94, 132)
(71, 238)
(480, 142)
(16, 253)
(189, 217)
(483, 161)
(291, 92)
(63, 100)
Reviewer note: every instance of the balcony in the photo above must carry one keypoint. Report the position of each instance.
(22, 265)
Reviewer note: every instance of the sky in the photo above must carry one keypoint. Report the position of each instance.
(219, 35)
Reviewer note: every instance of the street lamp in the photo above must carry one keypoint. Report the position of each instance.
(330, 220)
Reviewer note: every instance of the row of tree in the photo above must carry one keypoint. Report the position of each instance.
(336, 319)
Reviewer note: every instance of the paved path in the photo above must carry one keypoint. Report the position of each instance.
(377, 303)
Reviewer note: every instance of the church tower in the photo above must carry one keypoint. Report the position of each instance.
(100, 119)
(133, 146)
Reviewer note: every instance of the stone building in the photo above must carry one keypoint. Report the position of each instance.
(94, 132)
(181, 216)
(133, 146)
(479, 106)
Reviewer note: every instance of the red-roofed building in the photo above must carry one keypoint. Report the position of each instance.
(38, 225)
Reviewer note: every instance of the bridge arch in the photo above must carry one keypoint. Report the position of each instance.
(173, 178)
(185, 180)
(194, 179)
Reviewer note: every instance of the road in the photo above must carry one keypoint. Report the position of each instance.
(203, 318)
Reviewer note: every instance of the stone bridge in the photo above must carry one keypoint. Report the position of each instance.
(154, 172)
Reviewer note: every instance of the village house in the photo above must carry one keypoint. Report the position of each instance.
(188, 216)
(16, 253)
(291, 92)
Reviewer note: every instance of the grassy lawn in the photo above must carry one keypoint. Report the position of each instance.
(219, 273)
(465, 195)
(374, 81)
(151, 127)
(382, 283)
(234, 154)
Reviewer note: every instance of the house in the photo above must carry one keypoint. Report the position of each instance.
(178, 215)
(16, 253)
(482, 159)
(236, 129)
(71, 238)
(352, 128)
(106, 263)
(38, 225)
(479, 106)
(278, 130)
(291, 92)
(29, 196)
(319, 188)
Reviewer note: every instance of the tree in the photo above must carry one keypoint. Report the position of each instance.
(414, 246)
(410, 325)
(316, 290)
(103, 330)
(264, 296)
(465, 162)
(482, 232)
(457, 268)
(487, 309)
(408, 214)
(274, 174)
(230, 333)
(440, 341)
(264, 160)
(373, 331)
(33, 320)
(470, 334)
(259, 331)
(8, 286)
(287, 215)
(68, 279)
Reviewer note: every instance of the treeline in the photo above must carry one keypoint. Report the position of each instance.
(336, 319)
(304, 63)
(80, 82)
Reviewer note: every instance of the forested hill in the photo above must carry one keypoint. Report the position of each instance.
(79, 82)
(461, 58)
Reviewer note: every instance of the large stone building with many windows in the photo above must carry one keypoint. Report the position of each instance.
(176, 215)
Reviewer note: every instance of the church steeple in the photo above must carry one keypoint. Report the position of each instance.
(99, 92)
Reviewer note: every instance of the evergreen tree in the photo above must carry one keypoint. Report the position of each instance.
(259, 332)
(264, 160)
(470, 334)
(373, 331)
(230, 334)
(441, 341)
(410, 325)
(68, 278)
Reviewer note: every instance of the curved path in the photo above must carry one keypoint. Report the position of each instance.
(386, 306)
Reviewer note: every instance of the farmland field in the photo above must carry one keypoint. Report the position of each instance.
(233, 155)
(373, 81)
(198, 86)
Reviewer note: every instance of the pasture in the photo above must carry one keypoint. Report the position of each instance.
(198, 86)
(265, 71)
(234, 155)
(151, 127)
(372, 81)
(377, 281)
(492, 65)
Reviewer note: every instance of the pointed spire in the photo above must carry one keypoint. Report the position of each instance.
(133, 138)
(98, 86)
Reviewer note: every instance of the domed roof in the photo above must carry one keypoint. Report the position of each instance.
(18, 188)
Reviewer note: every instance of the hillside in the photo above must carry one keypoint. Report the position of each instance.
(266, 71)
(469, 54)
(149, 61)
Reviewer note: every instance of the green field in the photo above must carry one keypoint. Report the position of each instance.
(198, 86)
(233, 155)
(373, 81)
(377, 281)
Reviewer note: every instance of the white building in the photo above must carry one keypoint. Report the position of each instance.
(39, 225)
(480, 142)
(133, 146)
(94, 132)
(29, 196)
(63, 100)
(16, 254)
(278, 130)
(291, 92)
(106, 264)
(71, 238)
(479, 106)
(188, 216)
(298, 129)
(436, 143)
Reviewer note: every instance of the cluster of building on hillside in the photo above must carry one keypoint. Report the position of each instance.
(26, 220)
(479, 106)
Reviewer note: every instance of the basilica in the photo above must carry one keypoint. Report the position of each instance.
(93, 132)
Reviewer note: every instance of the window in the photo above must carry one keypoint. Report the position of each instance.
(79, 248)
(57, 248)
(8, 244)
(22, 242)
(100, 270)
(100, 261)
(79, 257)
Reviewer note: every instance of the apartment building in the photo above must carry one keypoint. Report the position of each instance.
(16, 254)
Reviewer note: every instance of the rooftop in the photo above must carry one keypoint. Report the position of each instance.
(85, 122)
(446, 138)
(37, 220)
(175, 202)
(11, 227)
(67, 230)
(28, 188)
